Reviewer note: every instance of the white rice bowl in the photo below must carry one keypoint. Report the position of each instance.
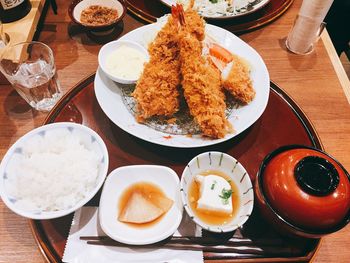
(53, 170)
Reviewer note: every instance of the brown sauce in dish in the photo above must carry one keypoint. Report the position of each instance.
(210, 217)
(148, 190)
(96, 15)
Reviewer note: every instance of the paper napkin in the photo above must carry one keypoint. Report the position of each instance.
(85, 223)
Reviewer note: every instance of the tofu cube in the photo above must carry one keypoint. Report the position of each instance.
(211, 194)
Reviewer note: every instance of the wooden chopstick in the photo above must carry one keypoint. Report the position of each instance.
(208, 240)
(232, 241)
(234, 245)
(281, 251)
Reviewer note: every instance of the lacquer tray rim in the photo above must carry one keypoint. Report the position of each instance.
(50, 254)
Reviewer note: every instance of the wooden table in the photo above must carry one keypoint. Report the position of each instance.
(312, 81)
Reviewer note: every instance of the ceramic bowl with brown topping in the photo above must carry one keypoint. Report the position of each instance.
(97, 15)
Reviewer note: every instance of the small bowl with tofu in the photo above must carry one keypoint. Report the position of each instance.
(140, 204)
(217, 192)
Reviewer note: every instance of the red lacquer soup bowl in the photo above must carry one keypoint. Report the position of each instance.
(303, 191)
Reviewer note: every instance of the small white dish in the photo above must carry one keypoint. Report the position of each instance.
(10, 176)
(117, 182)
(106, 51)
(228, 165)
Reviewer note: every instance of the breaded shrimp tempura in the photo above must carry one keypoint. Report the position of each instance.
(201, 81)
(156, 91)
(238, 81)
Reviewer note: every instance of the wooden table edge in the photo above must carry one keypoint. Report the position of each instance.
(337, 65)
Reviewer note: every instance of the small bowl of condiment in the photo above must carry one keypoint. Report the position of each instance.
(303, 191)
(217, 192)
(123, 60)
(97, 15)
(140, 204)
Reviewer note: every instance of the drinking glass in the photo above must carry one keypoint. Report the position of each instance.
(308, 26)
(303, 35)
(30, 68)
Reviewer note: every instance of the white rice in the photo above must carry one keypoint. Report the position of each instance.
(54, 172)
(218, 9)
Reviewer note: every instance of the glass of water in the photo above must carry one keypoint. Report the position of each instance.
(30, 68)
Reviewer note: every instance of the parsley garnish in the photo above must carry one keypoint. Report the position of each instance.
(213, 185)
(213, 1)
(225, 195)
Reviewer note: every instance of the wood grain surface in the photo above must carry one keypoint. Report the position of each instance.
(310, 80)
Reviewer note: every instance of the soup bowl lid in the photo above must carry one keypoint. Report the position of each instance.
(306, 187)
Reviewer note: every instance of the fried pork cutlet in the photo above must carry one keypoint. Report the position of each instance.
(156, 91)
(201, 81)
(238, 81)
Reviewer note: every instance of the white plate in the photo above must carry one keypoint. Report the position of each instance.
(118, 181)
(110, 97)
(244, 7)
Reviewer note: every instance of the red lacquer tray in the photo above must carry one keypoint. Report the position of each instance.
(282, 123)
(150, 10)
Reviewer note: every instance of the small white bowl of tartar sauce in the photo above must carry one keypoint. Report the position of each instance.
(123, 60)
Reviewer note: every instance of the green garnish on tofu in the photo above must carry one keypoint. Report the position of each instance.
(225, 195)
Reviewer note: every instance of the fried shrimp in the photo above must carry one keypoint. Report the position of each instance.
(186, 64)
(156, 91)
(201, 81)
